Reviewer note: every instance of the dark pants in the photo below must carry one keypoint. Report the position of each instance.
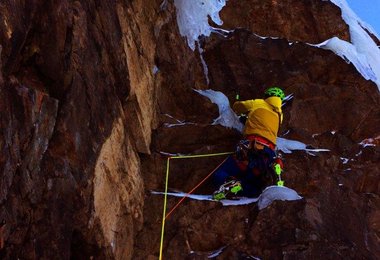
(252, 178)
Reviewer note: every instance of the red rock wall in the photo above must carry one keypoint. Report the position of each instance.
(86, 88)
(76, 106)
(307, 21)
(334, 108)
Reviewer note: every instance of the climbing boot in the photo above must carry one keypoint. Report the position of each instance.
(227, 188)
(218, 195)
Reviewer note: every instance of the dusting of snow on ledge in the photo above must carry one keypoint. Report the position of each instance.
(179, 122)
(171, 154)
(193, 15)
(287, 146)
(216, 252)
(227, 117)
(370, 142)
(269, 195)
(362, 51)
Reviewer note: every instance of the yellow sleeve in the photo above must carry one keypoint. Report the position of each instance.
(242, 107)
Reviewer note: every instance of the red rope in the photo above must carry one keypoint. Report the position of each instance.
(199, 184)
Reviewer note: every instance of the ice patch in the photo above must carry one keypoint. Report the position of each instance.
(351, 53)
(193, 15)
(349, 14)
(227, 117)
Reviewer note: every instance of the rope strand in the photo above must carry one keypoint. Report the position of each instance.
(199, 184)
(164, 211)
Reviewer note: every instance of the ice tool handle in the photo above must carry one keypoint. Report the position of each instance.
(278, 170)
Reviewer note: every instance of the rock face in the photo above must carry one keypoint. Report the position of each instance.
(69, 74)
(94, 93)
(305, 21)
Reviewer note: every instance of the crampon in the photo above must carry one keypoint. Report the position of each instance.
(227, 190)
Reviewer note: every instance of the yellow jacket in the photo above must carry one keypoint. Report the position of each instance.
(264, 116)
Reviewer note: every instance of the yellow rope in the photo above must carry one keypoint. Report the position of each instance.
(166, 188)
(199, 155)
(164, 211)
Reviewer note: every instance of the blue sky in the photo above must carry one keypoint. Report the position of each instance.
(368, 11)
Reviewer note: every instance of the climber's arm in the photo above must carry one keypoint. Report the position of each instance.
(242, 107)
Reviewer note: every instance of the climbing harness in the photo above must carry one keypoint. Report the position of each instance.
(259, 142)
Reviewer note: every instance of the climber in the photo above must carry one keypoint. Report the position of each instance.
(255, 163)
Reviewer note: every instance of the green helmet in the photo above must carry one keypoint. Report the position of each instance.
(275, 92)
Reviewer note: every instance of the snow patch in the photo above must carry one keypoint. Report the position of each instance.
(193, 15)
(227, 117)
(273, 193)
